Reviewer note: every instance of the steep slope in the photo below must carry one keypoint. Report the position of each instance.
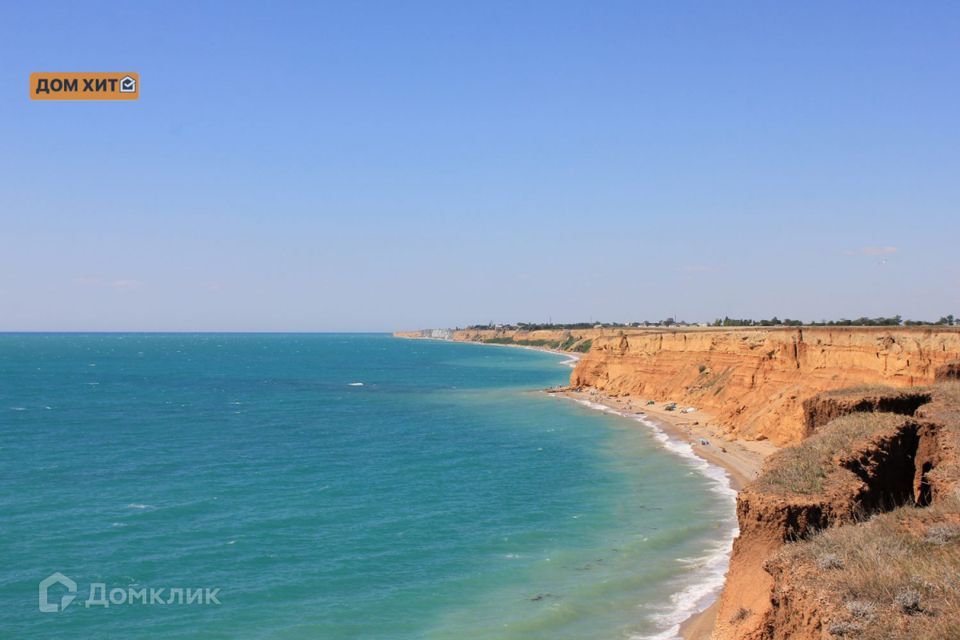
(755, 381)
(856, 531)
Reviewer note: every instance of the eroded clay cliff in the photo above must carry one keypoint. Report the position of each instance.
(855, 533)
(755, 381)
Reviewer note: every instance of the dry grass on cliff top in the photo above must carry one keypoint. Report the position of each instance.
(860, 390)
(805, 468)
(872, 390)
(947, 408)
(893, 577)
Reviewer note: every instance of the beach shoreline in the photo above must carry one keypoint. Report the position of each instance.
(740, 460)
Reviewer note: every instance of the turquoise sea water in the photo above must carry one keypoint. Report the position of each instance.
(442, 498)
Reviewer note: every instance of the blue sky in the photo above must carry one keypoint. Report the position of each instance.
(380, 165)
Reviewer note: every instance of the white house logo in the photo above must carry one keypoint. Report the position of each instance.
(47, 584)
(128, 85)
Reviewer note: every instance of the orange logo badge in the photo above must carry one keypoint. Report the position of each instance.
(84, 86)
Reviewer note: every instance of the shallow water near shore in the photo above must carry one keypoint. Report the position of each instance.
(340, 486)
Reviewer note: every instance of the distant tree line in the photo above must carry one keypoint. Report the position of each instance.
(561, 326)
(949, 321)
(892, 321)
(746, 322)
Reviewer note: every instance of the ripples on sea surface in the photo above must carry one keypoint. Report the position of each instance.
(441, 498)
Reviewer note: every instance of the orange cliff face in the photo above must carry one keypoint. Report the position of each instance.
(840, 530)
(755, 381)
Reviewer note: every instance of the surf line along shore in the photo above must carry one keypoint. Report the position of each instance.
(741, 460)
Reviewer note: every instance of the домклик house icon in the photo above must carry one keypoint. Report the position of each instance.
(128, 85)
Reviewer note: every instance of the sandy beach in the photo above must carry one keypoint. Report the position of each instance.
(742, 459)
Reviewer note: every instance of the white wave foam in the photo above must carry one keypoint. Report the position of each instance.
(696, 596)
(137, 505)
(355, 384)
(711, 569)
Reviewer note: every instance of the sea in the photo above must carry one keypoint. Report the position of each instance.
(335, 486)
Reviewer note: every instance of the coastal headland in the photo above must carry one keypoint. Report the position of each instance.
(844, 445)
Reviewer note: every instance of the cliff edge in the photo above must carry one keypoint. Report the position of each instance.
(755, 381)
(854, 533)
